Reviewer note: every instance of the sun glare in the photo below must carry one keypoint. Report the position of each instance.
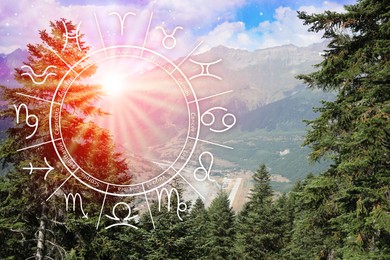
(113, 84)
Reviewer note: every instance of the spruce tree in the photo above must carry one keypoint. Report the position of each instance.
(283, 224)
(260, 222)
(42, 228)
(222, 228)
(353, 130)
(170, 238)
(310, 232)
(200, 230)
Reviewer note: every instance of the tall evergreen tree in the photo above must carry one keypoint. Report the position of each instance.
(26, 218)
(310, 215)
(283, 224)
(222, 228)
(171, 238)
(353, 130)
(260, 223)
(200, 230)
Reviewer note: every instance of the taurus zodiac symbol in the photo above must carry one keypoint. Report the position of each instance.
(169, 37)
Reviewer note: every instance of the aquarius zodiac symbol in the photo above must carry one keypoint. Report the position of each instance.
(48, 168)
(28, 117)
(67, 36)
(224, 119)
(125, 220)
(38, 75)
(203, 169)
(205, 69)
(169, 37)
(122, 19)
(169, 195)
(74, 197)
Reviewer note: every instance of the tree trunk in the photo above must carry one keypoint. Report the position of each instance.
(40, 254)
(330, 255)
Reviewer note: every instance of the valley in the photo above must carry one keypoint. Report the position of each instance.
(268, 102)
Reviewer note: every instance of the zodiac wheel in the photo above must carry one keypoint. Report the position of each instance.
(178, 119)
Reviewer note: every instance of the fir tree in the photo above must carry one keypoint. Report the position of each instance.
(352, 197)
(222, 228)
(42, 227)
(170, 238)
(310, 232)
(283, 224)
(200, 230)
(260, 223)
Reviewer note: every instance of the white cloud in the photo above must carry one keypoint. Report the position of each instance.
(24, 18)
(232, 35)
(199, 12)
(201, 20)
(287, 28)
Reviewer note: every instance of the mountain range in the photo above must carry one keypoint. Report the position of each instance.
(270, 105)
(267, 100)
(8, 62)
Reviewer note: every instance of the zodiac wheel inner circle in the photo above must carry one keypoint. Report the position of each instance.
(59, 101)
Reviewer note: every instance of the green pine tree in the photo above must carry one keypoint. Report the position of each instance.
(222, 228)
(352, 197)
(170, 238)
(260, 226)
(311, 212)
(283, 226)
(200, 230)
(42, 228)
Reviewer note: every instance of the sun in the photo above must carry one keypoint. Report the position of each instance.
(113, 84)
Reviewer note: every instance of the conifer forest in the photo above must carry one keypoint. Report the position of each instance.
(343, 212)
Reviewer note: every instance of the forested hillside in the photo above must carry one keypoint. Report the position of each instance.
(343, 213)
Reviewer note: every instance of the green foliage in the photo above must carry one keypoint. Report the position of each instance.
(222, 228)
(170, 237)
(27, 219)
(354, 131)
(341, 214)
(261, 223)
(200, 230)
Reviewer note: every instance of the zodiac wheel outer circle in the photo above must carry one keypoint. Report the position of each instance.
(192, 132)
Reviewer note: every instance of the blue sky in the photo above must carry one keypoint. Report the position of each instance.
(254, 12)
(243, 24)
